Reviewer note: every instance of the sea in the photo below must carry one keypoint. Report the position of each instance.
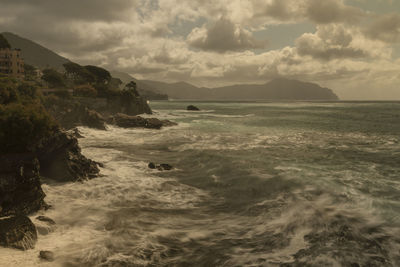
(253, 184)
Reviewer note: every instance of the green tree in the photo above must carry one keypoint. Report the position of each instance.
(53, 78)
(102, 76)
(78, 74)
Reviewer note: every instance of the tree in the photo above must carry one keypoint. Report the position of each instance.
(30, 72)
(3, 42)
(78, 74)
(53, 78)
(132, 87)
(102, 76)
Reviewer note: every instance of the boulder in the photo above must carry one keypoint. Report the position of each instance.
(93, 119)
(192, 108)
(17, 232)
(46, 255)
(160, 167)
(45, 219)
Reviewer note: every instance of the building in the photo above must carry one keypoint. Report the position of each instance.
(11, 62)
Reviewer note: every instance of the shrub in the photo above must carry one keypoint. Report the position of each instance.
(23, 126)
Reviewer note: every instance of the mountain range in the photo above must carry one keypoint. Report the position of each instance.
(278, 89)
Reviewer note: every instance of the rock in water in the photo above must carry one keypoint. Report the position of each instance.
(17, 232)
(152, 165)
(126, 121)
(46, 255)
(46, 219)
(192, 108)
(166, 166)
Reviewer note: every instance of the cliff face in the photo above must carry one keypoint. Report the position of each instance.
(20, 190)
(79, 110)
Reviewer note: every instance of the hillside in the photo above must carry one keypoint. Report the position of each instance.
(35, 54)
(278, 89)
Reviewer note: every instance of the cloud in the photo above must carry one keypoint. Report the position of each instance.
(317, 11)
(222, 37)
(385, 28)
(332, 42)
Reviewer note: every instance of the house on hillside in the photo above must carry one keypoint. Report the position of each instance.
(11, 62)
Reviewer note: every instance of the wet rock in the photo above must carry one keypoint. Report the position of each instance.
(20, 187)
(46, 255)
(166, 166)
(61, 159)
(126, 121)
(75, 133)
(152, 165)
(46, 219)
(192, 108)
(93, 119)
(160, 167)
(17, 232)
(168, 123)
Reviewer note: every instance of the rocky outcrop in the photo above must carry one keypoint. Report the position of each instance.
(20, 190)
(126, 121)
(61, 159)
(93, 119)
(46, 255)
(17, 232)
(192, 108)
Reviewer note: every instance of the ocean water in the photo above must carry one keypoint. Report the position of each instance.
(254, 184)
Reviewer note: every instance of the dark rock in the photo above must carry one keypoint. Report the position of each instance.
(17, 232)
(20, 188)
(45, 219)
(166, 166)
(75, 133)
(61, 159)
(126, 121)
(93, 119)
(46, 255)
(168, 123)
(192, 108)
(152, 165)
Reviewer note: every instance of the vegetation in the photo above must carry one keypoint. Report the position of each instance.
(53, 78)
(23, 119)
(3, 42)
(85, 90)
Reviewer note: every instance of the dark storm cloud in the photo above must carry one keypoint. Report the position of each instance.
(222, 37)
(385, 28)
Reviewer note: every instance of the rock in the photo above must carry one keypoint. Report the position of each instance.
(168, 123)
(161, 167)
(126, 121)
(192, 108)
(75, 133)
(46, 255)
(20, 188)
(61, 159)
(152, 165)
(45, 219)
(17, 232)
(93, 119)
(166, 166)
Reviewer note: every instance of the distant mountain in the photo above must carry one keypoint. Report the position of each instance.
(278, 89)
(35, 54)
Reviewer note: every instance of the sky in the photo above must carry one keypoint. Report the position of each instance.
(350, 46)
